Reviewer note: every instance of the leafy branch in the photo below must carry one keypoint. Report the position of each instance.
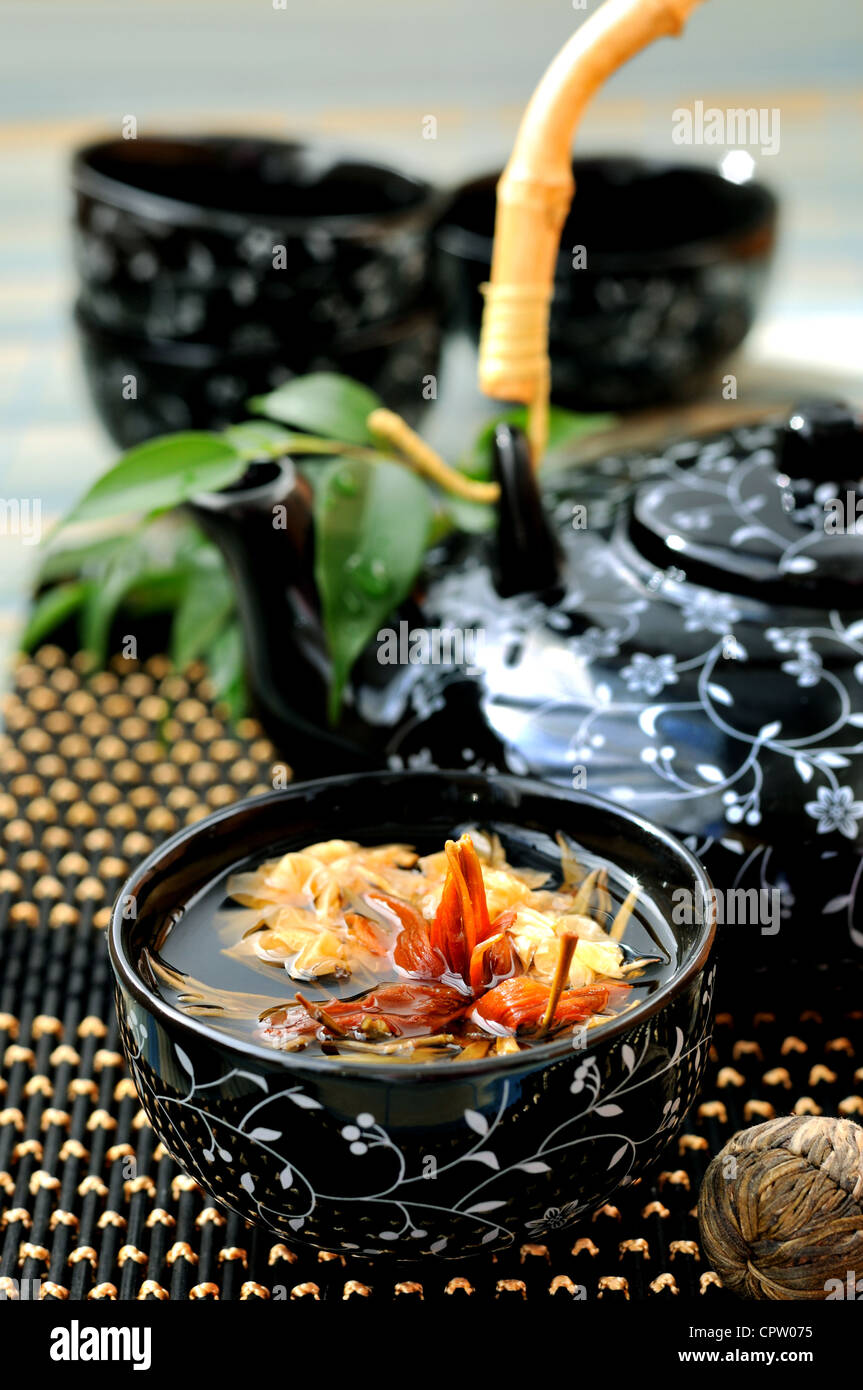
(381, 495)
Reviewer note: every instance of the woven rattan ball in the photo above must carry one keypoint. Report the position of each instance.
(781, 1209)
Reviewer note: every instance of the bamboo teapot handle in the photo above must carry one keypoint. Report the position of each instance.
(534, 195)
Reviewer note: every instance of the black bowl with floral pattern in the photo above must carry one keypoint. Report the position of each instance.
(247, 242)
(416, 1160)
(142, 387)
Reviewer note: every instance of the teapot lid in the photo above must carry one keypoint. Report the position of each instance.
(777, 522)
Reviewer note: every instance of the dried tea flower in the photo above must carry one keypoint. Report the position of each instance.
(781, 1208)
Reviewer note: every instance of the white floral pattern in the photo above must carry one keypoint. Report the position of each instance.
(225, 1124)
(704, 611)
(806, 665)
(649, 674)
(835, 808)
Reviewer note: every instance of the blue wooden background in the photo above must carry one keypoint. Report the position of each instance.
(365, 73)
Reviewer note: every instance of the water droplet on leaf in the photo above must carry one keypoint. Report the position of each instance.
(345, 482)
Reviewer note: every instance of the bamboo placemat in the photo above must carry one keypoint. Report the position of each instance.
(95, 772)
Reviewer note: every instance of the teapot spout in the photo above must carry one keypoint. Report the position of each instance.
(263, 526)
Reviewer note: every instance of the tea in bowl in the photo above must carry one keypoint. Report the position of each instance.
(458, 1102)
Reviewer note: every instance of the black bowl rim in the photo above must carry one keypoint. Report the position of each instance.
(407, 1072)
(463, 244)
(158, 207)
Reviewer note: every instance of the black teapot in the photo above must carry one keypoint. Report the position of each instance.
(680, 632)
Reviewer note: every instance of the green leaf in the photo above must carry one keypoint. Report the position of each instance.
(171, 539)
(255, 438)
(150, 567)
(112, 592)
(162, 473)
(323, 403)
(565, 427)
(206, 605)
(372, 523)
(78, 556)
(51, 610)
(225, 667)
(475, 517)
(156, 593)
(103, 601)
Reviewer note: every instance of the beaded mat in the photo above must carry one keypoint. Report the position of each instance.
(94, 773)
